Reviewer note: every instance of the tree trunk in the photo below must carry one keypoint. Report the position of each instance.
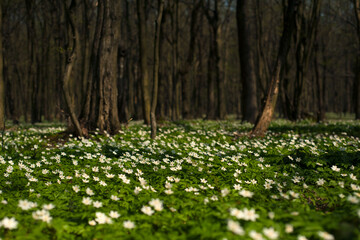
(220, 81)
(156, 68)
(267, 112)
(32, 67)
(248, 77)
(86, 50)
(305, 37)
(70, 60)
(68, 101)
(357, 89)
(127, 107)
(107, 117)
(263, 66)
(214, 109)
(90, 99)
(320, 114)
(145, 81)
(185, 79)
(100, 109)
(357, 68)
(211, 109)
(176, 83)
(2, 84)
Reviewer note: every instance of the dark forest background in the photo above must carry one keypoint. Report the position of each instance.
(93, 63)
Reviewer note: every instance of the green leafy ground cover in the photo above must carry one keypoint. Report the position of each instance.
(195, 181)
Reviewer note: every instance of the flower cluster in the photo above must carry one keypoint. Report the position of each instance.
(188, 179)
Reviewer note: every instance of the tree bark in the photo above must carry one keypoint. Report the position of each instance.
(357, 68)
(320, 114)
(100, 109)
(126, 107)
(263, 65)
(32, 74)
(88, 110)
(156, 68)
(214, 109)
(70, 59)
(2, 83)
(185, 79)
(267, 112)
(211, 109)
(305, 37)
(145, 81)
(175, 78)
(108, 117)
(248, 77)
(86, 50)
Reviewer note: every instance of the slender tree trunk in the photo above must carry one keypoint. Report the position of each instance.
(156, 68)
(220, 81)
(248, 77)
(210, 113)
(176, 84)
(200, 79)
(145, 81)
(357, 89)
(324, 78)
(357, 68)
(2, 84)
(267, 112)
(129, 76)
(163, 74)
(224, 107)
(320, 114)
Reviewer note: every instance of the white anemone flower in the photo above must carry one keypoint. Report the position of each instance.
(147, 210)
(9, 223)
(129, 224)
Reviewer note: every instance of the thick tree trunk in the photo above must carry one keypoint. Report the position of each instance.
(32, 66)
(214, 109)
(70, 61)
(248, 77)
(305, 37)
(100, 109)
(127, 95)
(263, 66)
(156, 68)
(185, 78)
(108, 117)
(267, 112)
(68, 101)
(86, 50)
(145, 81)
(88, 110)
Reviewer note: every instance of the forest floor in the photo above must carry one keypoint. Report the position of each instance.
(197, 180)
